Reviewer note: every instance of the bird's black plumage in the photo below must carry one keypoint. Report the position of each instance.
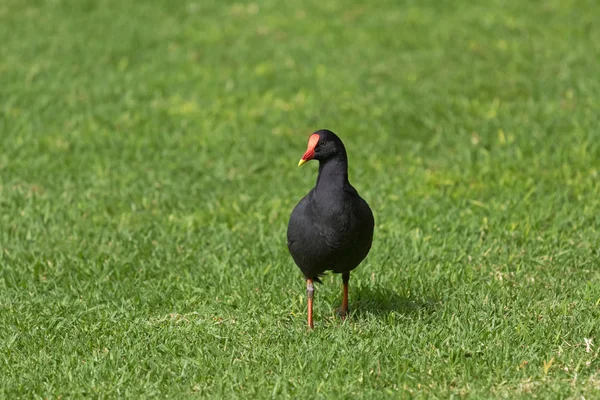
(331, 228)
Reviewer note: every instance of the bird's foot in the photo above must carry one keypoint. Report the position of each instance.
(343, 314)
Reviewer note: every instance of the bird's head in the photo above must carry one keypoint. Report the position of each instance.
(323, 145)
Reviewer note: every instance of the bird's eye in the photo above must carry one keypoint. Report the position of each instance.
(321, 143)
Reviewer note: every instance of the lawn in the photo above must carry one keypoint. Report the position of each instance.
(148, 154)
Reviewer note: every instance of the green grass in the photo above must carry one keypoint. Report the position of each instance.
(148, 155)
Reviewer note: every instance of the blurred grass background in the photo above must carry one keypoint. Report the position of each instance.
(147, 171)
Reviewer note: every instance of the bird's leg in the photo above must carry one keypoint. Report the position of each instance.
(344, 309)
(310, 291)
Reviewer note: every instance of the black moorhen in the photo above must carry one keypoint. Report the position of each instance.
(331, 228)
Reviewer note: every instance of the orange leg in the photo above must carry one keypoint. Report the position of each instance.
(310, 291)
(344, 309)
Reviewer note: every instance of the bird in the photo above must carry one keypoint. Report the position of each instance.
(331, 228)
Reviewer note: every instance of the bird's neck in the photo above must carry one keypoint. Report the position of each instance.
(333, 174)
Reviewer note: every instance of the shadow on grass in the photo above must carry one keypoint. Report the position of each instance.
(380, 301)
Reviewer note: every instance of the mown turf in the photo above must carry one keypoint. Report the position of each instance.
(148, 167)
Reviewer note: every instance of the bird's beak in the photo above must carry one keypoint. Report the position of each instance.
(310, 149)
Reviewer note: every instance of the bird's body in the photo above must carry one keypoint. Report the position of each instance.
(331, 228)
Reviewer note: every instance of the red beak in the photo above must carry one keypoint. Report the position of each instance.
(310, 149)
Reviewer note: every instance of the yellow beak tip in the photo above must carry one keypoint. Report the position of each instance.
(302, 162)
